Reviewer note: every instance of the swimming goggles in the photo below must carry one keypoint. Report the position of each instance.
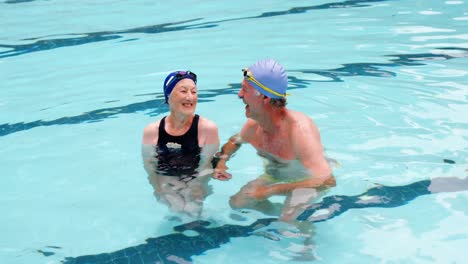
(248, 75)
(182, 75)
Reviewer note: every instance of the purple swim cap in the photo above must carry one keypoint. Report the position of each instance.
(173, 78)
(272, 75)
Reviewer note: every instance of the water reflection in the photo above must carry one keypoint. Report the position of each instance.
(157, 107)
(178, 247)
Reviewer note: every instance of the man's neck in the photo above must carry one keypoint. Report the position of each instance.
(272, 119)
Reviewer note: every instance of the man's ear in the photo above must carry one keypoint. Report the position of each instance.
(266, 99)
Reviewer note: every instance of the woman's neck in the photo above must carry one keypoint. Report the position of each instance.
(178, 123)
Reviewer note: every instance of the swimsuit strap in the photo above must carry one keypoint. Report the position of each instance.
(193, 130)
(161, 131)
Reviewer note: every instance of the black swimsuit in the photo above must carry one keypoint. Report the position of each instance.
(178, 155)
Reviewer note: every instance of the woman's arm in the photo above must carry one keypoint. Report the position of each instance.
(209, 143)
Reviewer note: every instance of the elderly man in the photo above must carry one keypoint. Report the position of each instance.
(289, 142)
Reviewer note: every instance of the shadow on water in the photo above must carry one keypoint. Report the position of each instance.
(91, 37)
(375, 69)
(157, 107)
(180, 248)
(85, 38)
(17, 1)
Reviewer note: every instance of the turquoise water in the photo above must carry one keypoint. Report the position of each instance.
(385, 81)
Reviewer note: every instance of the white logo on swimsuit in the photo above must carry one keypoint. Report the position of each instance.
(173, 145)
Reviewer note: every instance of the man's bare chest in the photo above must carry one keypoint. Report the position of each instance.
(279, 145)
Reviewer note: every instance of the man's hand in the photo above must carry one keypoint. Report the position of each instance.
(330, 181)
(220, 172)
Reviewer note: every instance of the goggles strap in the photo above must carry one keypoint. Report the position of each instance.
(249, 76)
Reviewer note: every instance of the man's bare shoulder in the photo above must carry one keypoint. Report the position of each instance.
(248, 130)
(303, 129)
(306, 142)
(250, 124)
(301, 121)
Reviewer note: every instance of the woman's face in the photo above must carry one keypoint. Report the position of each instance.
(183, 98)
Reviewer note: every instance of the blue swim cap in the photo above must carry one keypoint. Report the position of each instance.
(173, 78)
(271, 75)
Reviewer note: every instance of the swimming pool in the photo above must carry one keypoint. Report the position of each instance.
(386, 82)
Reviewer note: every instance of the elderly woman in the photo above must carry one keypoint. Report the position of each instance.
(178, 149)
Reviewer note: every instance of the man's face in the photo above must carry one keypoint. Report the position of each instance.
(184, 97)
(251, 98)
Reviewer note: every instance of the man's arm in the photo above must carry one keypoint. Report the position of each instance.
(265, 191)
(306, 144)
(230, 147)
(308, 147)
(227, 150)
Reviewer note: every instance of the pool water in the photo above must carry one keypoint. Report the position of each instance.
(385, 81)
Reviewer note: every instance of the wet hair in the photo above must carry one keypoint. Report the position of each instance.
(280, 102)
(276, 102)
